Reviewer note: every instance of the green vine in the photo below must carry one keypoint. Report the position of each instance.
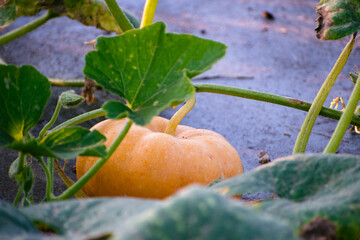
(308, 124)
(119, 16)
(270, 98)
(16, 33)
(344, 120)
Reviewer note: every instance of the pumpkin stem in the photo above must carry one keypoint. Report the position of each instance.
(179, 115)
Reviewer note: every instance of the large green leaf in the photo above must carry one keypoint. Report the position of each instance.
(23, 96)
(200, 214)
(13, 223)
(194, 214)
(151, 69)
(309, 186)
(88, 12)
(65, 143)
(337, 19)
(89, 218)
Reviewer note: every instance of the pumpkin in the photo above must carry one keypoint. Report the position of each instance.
(152, 164)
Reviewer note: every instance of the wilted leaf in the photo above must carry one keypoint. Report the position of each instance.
(65, 143)
(151, 69)
(23, 96)
(337, 19)
(309, 186)
(88, 12)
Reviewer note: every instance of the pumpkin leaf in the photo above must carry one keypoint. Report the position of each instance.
(14, 223)
(337, 18)
(23, 96)
(150, 69)
(196, 213)
(7, 12)
(200, 214)
(88, 218)
(65, 143)
(309, 187)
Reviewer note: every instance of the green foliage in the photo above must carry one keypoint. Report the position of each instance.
(14, 223)
(337, 18)
(23, 96)
(150, 69)
(196, 213)
(88, 12)
(65, 143)
(309, 186)
(7, 13)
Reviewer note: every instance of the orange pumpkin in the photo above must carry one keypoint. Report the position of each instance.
(152, 164)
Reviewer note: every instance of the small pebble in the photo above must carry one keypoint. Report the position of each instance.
(264, 157)
(267, 15)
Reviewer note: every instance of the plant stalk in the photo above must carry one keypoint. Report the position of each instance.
(18, 195)
(80, 119)
(119, 15)
(48, 178)
(149, 13)
(68, 82)
(96, 167)
(18, 32)
(179, 115)
(270, 98)
(20, 167)
(50, 165)
(52, 120)
(304, 134)
(344, 120)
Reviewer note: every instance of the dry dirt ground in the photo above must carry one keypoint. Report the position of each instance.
(282, 56)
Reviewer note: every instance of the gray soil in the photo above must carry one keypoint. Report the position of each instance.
(282, 56)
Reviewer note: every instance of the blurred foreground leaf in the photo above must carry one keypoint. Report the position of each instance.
(309, 187)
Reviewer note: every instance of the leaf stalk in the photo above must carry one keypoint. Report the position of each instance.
(18, 32)
(308, 124)
(344, 120)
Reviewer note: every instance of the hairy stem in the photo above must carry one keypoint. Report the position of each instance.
(67, 181)
(179, 115)
(308, 124)
(119, 15)
(270, 98)
(67, 82)
(96, 167)
(80, 119)
(344, 120)
(16, 33)
(149, 13)
(18, 195)
(50, 165)
(48, 178)
(52, 120)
